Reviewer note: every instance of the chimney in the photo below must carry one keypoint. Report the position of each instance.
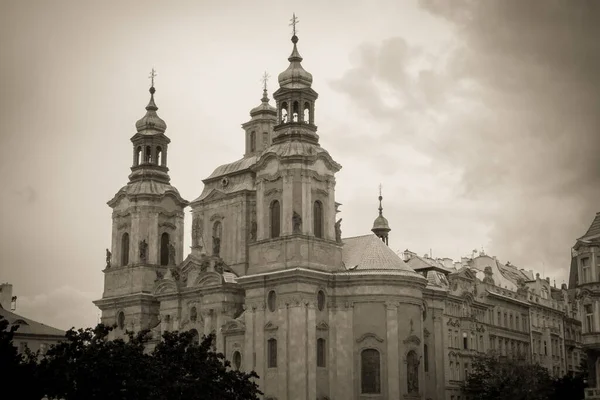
(6, 297)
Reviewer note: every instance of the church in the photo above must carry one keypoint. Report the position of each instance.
(316, 315)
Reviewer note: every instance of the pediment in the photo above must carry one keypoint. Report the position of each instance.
(207, 279)
(369, 336)
(233, 326)
(270, 326)
(322, 326)
(215, 194)
(166, 286)
(412, 339)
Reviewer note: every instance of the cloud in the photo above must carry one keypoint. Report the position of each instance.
(512, 109)
(60, 307)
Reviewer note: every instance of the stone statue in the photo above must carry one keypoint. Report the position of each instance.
(412, 373)
(338, 231)
(219, 266)
(159, 276)
(253, 228)
(297, 223)
(175, 274)
(172, 254)
(108, 257)
(143, 250)
(197, 233)
(204, 265)
(216, 246)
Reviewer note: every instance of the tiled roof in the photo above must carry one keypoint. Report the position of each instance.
(370, 253)
(147, 187)
(235, 166)
(512, 273)
(594, 229)
(28, 326)
(417, 263)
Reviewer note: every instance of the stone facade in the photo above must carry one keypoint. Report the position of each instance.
(315, 315)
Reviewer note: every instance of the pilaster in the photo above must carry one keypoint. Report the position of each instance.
(262, 223)
(344, 367)
(393, 373)
(287, 204)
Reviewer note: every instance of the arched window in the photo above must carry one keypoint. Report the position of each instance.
(272, 353)
(306, 113)
(426, 358)
(265, 139)
(252, 141)
(283, 113)
(193, 314)
(217, 238)
(451, 370)
(275, 219)
(457, 371)
(318, 219)
(125, 249)
(164, 249)
(159, 158)
(295, 112)
(237, 360)
(148, 155)
(412, 372)
(465, 341)
(272, 301)
(321, 353)
(138, 156)
(121, 320)
(321, 300)
(195, 336)
(370, 372)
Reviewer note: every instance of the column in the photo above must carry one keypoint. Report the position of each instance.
(261, 221)
(220, 316)
(249, 349)
(329, 211)
(287, 203)
(259, 342)
(297, 349)
(307, 206)
(207, 314)
(346, 379)
(311, 348)
(393, 373)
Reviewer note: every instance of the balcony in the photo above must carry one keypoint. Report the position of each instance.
(592, 394)
(591, 340)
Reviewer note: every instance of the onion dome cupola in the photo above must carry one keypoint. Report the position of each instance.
(381, 228)
(295, 99)
(259, 130)
(150, 146)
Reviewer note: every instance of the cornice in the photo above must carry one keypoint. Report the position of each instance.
(126, 300)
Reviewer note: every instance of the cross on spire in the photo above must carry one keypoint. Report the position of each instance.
(264, 80)
(152, 75)
(294, 21)
(380, 189)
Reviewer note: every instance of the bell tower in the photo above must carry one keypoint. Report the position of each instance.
(147, 229)
(259, 130)
(295, 182)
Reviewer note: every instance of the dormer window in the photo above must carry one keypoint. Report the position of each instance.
(586, 270)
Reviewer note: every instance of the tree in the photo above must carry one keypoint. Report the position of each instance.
(89, 366)
(496, 378)
(15, 367)
(571, 386)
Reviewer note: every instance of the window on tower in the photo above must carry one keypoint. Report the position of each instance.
(252, 141)
(318, 219)
(164, 249)
(125, 249)
(148, 155)
(283, 113)
(295, 112)
(275, 219)
(306, 113)
(159, 157)
(138, 156)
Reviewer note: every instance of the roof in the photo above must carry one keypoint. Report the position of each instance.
(418, 263)
(512, 273)
(370, 253)
(147, 187)
(233, 167)
(30, 327)
(594, 229)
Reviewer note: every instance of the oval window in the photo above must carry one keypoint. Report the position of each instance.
(272, 300)
(321, 300)
(237, 360)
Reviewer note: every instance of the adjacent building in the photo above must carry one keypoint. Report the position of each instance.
(30, 334)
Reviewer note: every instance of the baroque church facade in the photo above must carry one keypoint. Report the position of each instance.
(317, 316)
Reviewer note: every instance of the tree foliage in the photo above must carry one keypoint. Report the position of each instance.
(89, 366)
(495, 378)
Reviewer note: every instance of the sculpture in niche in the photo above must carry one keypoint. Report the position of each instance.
(253, 228)
(219, 266)
(159, 276)
(143, 250)
(297, 222)
(216, 246)
(197, 233)
(204, 265)
(412, 372)
(108, 257)
(338, 231)
(175, 274)
(171, 253)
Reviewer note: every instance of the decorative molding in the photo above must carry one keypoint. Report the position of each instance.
(426, 332)
(216, 217)
(322, 326)
(167, 225)
(369, 335)
(270, 326)
(412, 339)
(123, 225)
(321, 192)
(272, 192)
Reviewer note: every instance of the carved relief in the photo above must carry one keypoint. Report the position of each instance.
(167, 225)
(322, 326)
(412, 339)
(270, 326)
(272, 192)
(215, 217)
(369, 335)
(271, 254)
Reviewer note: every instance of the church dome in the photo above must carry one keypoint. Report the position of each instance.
(381, 223)
(151, 123)
(295, 77)
(264, 107)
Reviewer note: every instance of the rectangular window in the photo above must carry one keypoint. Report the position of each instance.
(499, 322)
(321, 353)
(272, 353)
(586, 270)
(589, 318)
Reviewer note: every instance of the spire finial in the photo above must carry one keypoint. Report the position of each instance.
(152, 75)
(293, 22)
(380, 198)
(264, 80)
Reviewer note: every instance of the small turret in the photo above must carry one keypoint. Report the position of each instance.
(381, 227)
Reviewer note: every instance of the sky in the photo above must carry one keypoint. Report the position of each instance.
(480, 120)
